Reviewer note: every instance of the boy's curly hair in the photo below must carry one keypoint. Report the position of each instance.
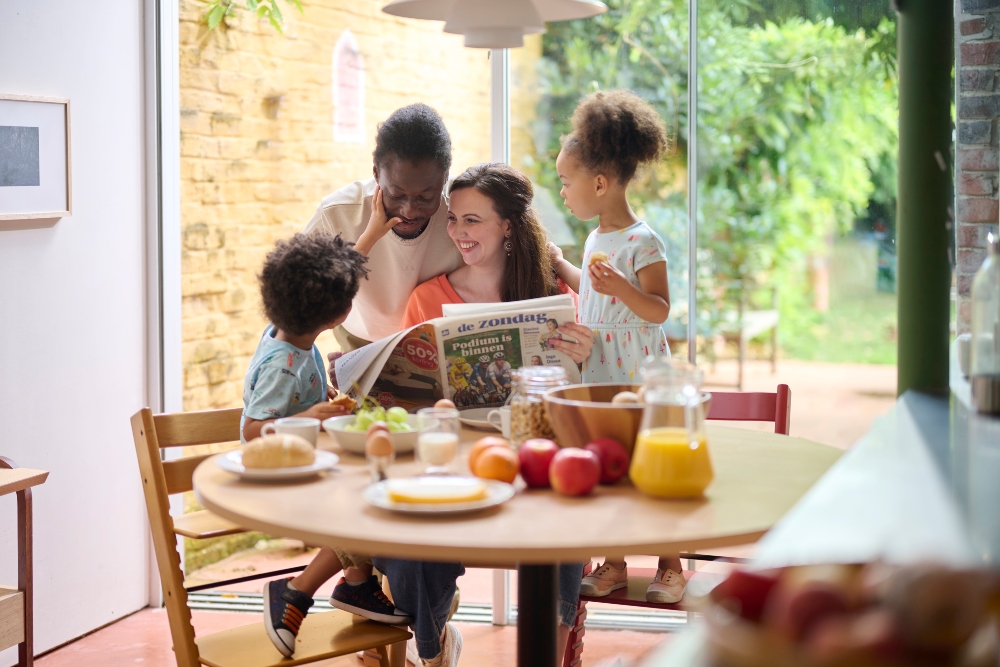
(614, 132)
(309, 281)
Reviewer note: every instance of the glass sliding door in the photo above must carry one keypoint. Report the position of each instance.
(639, 45)
(797, 120)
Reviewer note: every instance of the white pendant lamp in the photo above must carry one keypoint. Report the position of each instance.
(495, 24)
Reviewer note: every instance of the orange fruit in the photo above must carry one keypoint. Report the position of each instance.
(481, 446)
(499, 463)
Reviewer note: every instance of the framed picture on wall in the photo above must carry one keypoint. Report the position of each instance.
(34, 157)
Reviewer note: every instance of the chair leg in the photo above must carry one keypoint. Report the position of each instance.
(379, 657)
(573, 655)
(742, 360)
(397, 654)
(774, 349)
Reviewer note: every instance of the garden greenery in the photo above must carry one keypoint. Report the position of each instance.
(797, 127)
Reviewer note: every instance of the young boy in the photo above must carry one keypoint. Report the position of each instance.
(306, 286)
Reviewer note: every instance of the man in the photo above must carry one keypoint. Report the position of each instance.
(411, 161)
(410, 166)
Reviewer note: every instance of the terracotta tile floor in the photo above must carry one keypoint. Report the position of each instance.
(144, 639)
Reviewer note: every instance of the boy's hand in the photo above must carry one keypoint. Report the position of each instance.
(325, 410)
(378, 224)
(608, 280)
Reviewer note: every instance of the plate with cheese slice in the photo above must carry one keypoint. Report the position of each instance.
(438, 495)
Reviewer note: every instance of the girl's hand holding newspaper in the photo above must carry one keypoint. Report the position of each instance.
(578, 351)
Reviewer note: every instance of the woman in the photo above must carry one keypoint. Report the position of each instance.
(503, 244)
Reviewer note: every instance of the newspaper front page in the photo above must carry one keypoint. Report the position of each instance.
(468, 356)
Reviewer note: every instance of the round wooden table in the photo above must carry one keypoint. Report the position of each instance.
(758, 477)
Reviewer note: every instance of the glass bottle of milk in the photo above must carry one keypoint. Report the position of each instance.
(984, 362)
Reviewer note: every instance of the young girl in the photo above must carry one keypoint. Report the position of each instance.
(623, 290)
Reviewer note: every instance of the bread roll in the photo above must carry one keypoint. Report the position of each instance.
(346, 401)
(597, 256)
(281, 450)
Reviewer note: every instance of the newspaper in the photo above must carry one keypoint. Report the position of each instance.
(468, 355)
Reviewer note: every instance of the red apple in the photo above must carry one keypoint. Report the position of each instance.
(536, 456)
(745, 593)
(574, 471)
(613, 458)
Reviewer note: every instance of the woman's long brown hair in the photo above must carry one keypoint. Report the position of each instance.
(528, 270)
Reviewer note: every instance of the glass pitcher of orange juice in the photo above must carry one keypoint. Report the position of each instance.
(671, 458)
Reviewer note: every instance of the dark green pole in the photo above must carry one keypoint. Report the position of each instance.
(926, 58)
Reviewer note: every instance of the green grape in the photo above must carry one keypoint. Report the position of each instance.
(363, 420)
(397, 415)
(402, 427)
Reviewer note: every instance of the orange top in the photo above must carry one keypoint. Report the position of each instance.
(427, 299)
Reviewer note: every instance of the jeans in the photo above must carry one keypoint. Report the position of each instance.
(425, 591)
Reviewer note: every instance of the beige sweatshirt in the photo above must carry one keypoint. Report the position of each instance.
(395, 265)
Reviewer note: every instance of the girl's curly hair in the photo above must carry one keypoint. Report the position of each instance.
(615, 132)
(310, 280)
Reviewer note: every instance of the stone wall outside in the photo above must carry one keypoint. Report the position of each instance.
(258, 153)
(978, 45)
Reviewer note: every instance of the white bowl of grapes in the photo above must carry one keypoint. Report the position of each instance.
(351, 431)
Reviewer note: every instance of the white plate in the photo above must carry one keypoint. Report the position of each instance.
(233, 462)
(496, 493)
(476, 418)
(354, 442)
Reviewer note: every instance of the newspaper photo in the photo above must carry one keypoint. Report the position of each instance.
(469, 355)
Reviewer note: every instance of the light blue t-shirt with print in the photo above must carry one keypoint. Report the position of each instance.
(282, 380)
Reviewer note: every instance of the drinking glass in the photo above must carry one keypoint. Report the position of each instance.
(437, 438)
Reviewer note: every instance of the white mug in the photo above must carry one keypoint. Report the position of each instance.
(500, 419)
(305, 427)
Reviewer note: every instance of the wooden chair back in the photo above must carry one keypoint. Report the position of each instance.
(161, 479)
(755, 407)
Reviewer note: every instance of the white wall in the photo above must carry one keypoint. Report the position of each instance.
(72, 321)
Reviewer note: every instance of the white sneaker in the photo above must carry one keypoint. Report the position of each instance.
(604, 581)
(667, 587)
(451, 649)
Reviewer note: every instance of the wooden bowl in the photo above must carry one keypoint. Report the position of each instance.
(581, 413)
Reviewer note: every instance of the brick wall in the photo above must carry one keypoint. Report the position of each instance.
(978, 44)
(258, 154)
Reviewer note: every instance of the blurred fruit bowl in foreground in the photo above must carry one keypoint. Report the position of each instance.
(873, 615)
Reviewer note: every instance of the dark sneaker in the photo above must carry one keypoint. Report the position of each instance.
(284, 611)
(367, 600)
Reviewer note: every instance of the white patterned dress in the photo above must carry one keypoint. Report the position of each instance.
(622, 340)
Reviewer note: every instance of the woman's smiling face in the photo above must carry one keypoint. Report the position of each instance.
(476, 228)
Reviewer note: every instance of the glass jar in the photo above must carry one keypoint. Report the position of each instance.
(671, 458)
(984, 359)
(528, 417)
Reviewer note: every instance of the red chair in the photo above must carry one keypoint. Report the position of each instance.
(754, 407)
(726, 406)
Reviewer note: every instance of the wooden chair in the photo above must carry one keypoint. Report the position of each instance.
(726, 406)
(325, 635)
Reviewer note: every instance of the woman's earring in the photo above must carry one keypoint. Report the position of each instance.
(508, 246)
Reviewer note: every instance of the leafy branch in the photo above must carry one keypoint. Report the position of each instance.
(217, 10)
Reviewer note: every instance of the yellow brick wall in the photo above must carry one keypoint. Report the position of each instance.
(257, 152)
